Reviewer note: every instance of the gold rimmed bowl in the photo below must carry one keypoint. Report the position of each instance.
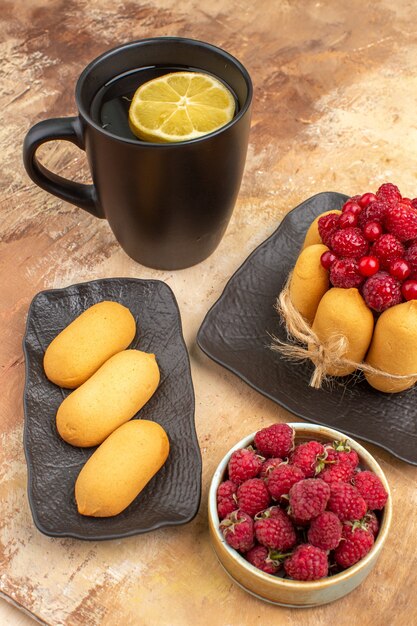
(284, 591)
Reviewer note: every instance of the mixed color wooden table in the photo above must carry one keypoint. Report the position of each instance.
(334, 109)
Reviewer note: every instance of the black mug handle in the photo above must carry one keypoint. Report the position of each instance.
(69, 129)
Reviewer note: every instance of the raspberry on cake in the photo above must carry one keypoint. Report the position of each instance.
(389, 193)
(349, 242)
(387, 248)
(374, 212)
(382, 291)
(345, 273)
(327, 225)
(401, 221)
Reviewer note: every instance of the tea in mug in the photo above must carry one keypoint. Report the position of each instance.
(164, 104)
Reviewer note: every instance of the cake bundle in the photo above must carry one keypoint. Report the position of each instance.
(352, 296)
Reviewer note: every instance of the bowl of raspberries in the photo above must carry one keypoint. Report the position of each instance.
(298, 514)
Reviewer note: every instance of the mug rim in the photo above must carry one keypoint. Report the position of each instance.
(193, 42)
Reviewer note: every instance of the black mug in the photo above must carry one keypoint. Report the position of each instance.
(167, 204)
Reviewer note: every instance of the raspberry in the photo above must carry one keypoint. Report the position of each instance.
(373, 213)
(299, 523)
(275, 530)
(389, 193)
(346, 502)
(414, 203)
(244, 464)
(262, 558)
(381, 291)
(306, 457)
(371, 523)
(339, 472)
(226, 498)
(349, 242)
(356, 543)
(280, 481)
(325, 531)
(237, 529)
(275, 440)
(307, 563)
(268, 466)
(344, 273)
(308, 498)
(387, 248)
(327, 225)
(341, 451)
(411, 256)
(401, 221)
(371, 489)
(253, 496)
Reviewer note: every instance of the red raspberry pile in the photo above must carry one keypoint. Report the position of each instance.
(303, 511)
(373, 247)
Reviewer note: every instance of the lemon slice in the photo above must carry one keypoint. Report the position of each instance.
(180, 106)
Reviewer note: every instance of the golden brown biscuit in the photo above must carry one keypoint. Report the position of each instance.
(84, 345)
(120, 468)
(312, 236)
(394, 347)
(309, 281)
(112, 396)
(343, 312)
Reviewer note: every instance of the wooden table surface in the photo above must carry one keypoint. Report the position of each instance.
(334, 109)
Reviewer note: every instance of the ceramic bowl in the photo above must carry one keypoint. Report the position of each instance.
(286, 592)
